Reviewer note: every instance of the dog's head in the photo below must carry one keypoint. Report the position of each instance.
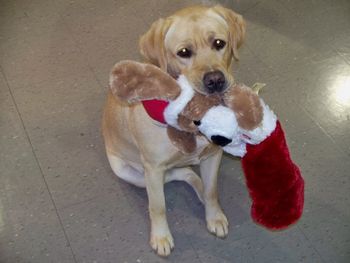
(199, 42)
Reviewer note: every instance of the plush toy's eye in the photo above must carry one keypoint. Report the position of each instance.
(197, 123)
(184, 53)
(219, 44)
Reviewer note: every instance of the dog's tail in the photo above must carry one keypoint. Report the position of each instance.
(189, 176)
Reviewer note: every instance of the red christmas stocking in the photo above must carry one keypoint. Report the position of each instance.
(274, 182)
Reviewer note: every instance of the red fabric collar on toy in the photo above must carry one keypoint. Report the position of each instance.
(155, 109)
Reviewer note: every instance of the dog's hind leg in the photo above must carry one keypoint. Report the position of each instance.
(136, 177)
(125, 171)
(189, 176)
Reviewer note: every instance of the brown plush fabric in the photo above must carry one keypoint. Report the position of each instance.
(195, 110)
(187, 124)
(134, 81)
(246, 105)
(184, 141)
(199, 105)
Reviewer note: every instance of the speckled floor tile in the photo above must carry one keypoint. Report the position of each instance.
(30, 229)
(116, 227)
(59, 199)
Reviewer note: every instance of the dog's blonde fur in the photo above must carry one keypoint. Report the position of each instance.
(140, 151)
(195, 28)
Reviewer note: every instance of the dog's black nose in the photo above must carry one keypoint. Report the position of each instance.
(214, 81)
(220, 140)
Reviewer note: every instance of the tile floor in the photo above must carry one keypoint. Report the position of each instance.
(59, 200)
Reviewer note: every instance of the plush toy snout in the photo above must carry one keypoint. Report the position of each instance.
(219, 124)
(220, 140)
(216, 139)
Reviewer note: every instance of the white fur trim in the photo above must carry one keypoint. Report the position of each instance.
(266, 127)
(219, 120)
(236, 149)
(175, 107)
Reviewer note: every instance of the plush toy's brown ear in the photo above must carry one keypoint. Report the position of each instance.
(152, 43)
(187, 124)
(133, 81)
(184, 141)
(199, 105)
(236, 26)
(246, 105)
(194, 111)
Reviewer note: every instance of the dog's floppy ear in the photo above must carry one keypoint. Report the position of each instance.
(236, 26)
(152, 43)
(133, 81)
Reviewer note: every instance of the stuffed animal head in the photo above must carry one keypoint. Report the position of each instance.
(134, 82)
(188, 112)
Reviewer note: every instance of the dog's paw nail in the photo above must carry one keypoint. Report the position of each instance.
(162, 244)
(218, 226)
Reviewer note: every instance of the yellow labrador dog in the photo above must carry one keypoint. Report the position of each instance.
(199, 42)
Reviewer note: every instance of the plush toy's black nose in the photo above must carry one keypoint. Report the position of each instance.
(220, 140)
(214, 81)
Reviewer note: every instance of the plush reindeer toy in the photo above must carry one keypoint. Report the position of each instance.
(238, 121)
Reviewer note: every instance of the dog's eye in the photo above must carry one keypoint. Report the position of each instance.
(184, 53)
(219, 44)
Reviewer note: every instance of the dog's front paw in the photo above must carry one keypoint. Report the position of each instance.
(218, 224)
(162, 244)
